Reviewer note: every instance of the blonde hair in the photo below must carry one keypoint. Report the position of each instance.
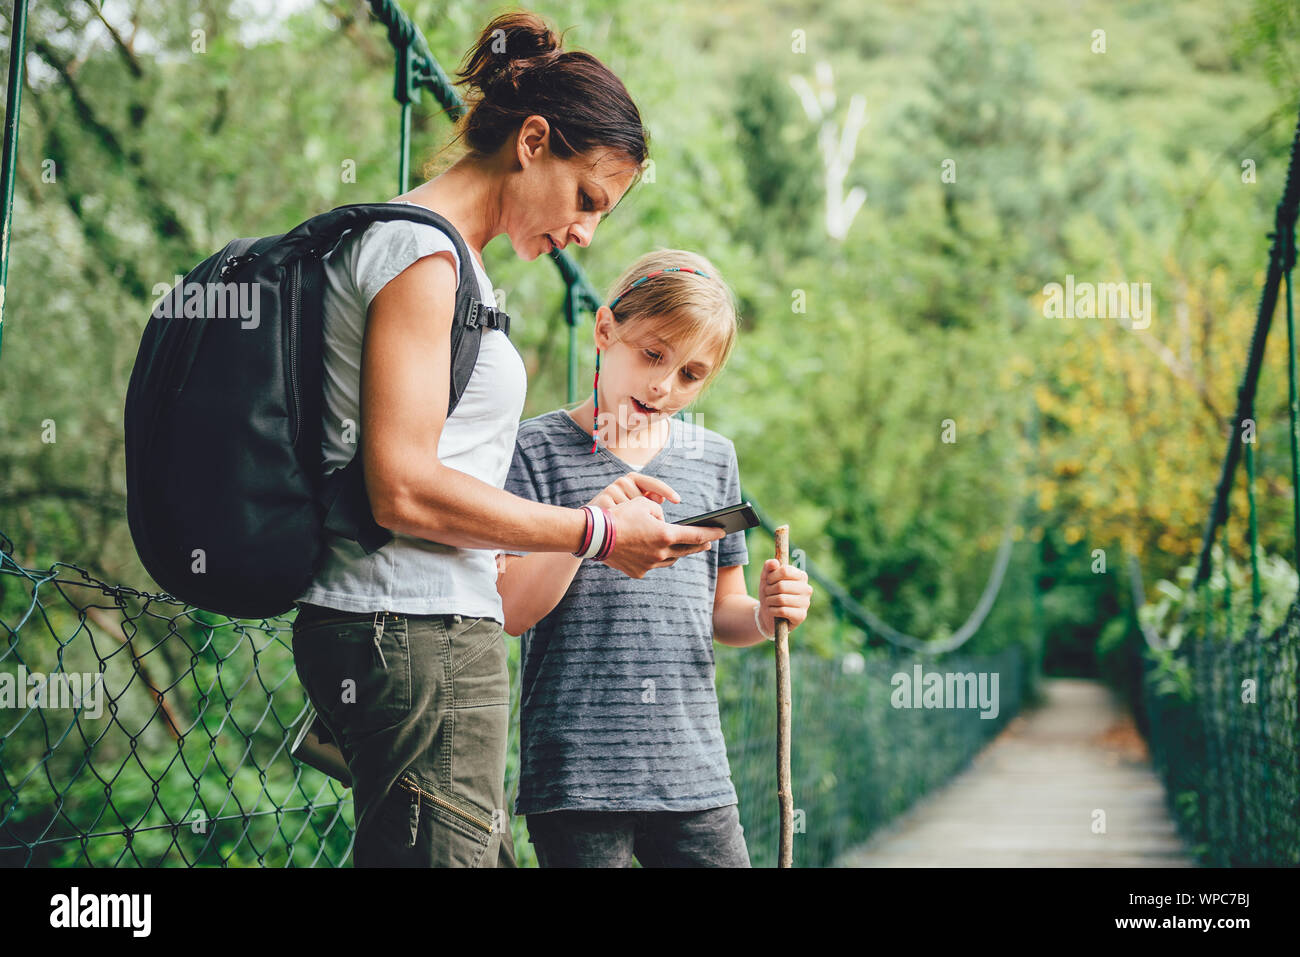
(689, 312)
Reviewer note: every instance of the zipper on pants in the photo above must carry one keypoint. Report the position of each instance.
(407, 784)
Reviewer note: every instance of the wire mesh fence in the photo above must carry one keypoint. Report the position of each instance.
(858, 757)
(1225, 736)
(139, 732)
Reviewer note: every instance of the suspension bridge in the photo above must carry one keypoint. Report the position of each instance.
(185, 762)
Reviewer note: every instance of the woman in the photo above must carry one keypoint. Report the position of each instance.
(402, 651)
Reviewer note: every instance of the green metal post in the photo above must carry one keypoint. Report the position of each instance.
(404, 153)
(1288, 263)
(406, 90)
(13, 105)
(571, 317)
(1256, 596)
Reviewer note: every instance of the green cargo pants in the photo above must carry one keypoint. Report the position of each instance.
(420, 708)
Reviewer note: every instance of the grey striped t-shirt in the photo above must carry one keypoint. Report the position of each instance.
(617, 705)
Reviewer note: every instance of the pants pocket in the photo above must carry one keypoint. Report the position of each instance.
(356, 672)
(478, 664)
(427, 826)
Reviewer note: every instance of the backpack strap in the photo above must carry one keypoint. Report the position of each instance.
(344, 498)
(319, 235)
(347, 507)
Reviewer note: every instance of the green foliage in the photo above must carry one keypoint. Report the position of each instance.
(910, 321)
(779, 152)
(1181, 608)
(1271, 32)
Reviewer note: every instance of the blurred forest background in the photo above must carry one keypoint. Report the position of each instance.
(897, 390)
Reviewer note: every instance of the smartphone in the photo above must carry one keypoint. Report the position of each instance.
(733, 518)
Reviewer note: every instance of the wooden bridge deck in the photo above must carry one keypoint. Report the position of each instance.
(1029, 798)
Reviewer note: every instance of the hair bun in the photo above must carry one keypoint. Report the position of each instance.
(526, 36)
(517, 69)
(508, 47)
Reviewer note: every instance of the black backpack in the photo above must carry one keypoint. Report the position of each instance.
(227, 499)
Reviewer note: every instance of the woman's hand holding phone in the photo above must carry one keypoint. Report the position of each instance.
(644, 540)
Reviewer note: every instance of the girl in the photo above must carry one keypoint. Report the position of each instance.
(400, 651)
(621, 746)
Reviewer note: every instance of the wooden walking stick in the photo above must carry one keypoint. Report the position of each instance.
(785, 797)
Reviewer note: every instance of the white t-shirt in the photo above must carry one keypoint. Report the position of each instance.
(412, 575)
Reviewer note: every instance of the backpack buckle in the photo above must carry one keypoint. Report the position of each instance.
(491, 317)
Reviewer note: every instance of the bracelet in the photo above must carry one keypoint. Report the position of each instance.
(610, 535)
(595, 534)
(598, 532)
(758, 620)
(586, 535)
